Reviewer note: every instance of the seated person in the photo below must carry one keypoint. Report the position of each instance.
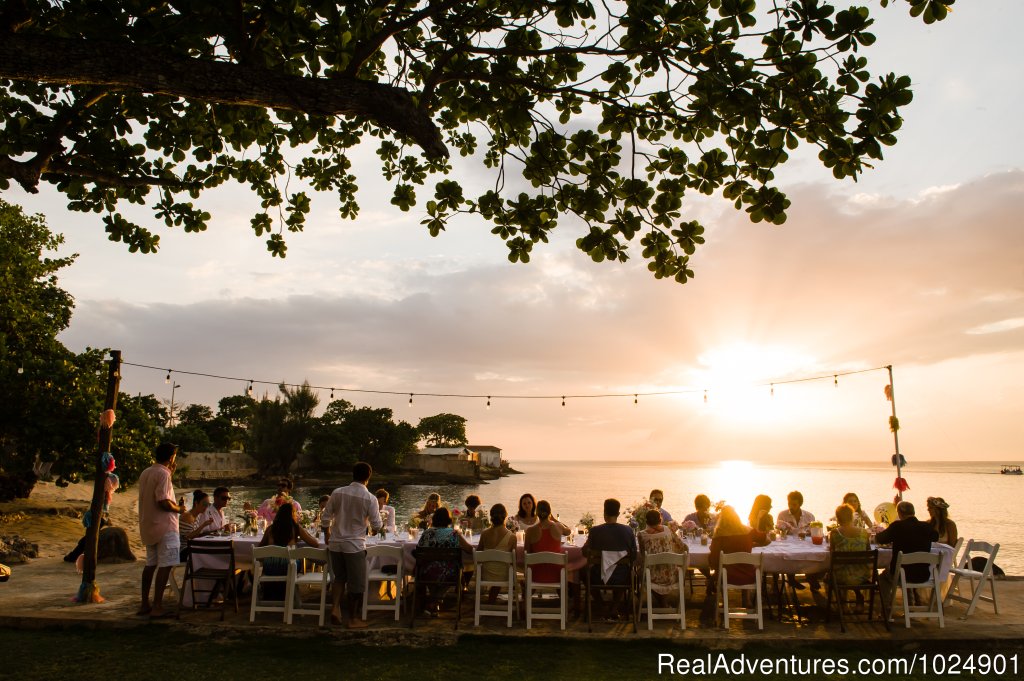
(615, 538)
(268, 509)
(473, 518)
(658, 538)
(703, 518)
(860, 516)
(907, 535)
(440, 534)
(194, 522)
(657, 497)
(546, 535)
(284, 531)
(938, 518)
(849, 537)
(527, 513)
(760, 517)
(731, 536)
(215, 512)
(432, 503)
(325, 517)
(387, 513)
(794, 519)
(499, 537)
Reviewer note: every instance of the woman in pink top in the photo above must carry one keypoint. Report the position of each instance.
(546, 535)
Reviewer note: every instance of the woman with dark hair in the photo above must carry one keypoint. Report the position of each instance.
(473, 519)
(860, 516)
(284, 531)
(189, 524)
(526, 516)
(659, 538)
(938, 512)
(760, 519)
(546, 535)
(440, 535)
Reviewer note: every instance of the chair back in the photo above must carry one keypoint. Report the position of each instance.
(868, 559)
(304, 553)
(260, 553)
(976, 546)
(224, 548)
(388, 553)
(494, 556)
(678, 559)
(546, 558)
(931, 560)
(956, 553)
(426, 555)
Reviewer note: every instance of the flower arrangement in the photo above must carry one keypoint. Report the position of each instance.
(719, 505)
(482, 518)
(415, 522)
(688, 526)
(637, 514)
(511, 523)
(248, 518)
(587, 521)
(308, 518)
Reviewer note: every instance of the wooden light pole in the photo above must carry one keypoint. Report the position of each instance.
(89, 592)
(894, 426)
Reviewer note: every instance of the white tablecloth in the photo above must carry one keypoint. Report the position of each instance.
(793, 555)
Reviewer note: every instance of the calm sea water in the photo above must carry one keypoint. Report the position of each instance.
(984, 503)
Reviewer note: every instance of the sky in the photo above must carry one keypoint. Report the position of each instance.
(918, 265)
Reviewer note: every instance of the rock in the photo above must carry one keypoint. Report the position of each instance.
(14, 549)
(114, 546)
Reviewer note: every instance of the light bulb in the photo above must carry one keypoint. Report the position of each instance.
(773, 390)
(488, 401)
(705, 396)
(563, 400)
(21, 370)
(636, 399)
(835, 380)
(410, 399)
(167, 379)
(332, 393)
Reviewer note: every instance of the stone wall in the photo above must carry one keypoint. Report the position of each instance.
(440, 464)
(218, 465)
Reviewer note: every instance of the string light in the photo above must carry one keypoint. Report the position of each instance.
(488, 401)
(636, 396)
(773, 390)
(21, 370)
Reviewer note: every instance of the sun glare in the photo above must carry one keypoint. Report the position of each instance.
(736, 481)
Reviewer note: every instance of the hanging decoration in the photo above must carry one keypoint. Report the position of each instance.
(899, 458)
(901, 485)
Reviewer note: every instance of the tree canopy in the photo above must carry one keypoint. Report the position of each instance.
(601, 115)
(443, 430)
(52, 397)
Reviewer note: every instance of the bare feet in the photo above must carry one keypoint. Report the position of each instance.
(144, 610)
(335, 620)
(356, 623)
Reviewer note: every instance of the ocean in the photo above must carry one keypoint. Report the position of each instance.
(983, 502)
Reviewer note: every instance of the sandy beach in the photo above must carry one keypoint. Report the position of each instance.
(52, 517)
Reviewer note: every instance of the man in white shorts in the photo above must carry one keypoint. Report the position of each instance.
(158, 527)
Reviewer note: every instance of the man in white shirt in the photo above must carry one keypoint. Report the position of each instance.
(351, 509)
(794, 518)
(215, 512)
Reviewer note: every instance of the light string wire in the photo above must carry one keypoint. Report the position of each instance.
(492, 396)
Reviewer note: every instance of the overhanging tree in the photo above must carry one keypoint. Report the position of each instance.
(610, 112)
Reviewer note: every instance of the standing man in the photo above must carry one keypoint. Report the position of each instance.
(158, 527)
(351, 509)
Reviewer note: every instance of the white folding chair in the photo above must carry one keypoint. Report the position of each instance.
(378, 557)
(313, 578)
(681, 562)
(934, 608)
(508, 584)
(261, 578)
(741, 558)
(977, 578)
(172, 582)
(559, 588)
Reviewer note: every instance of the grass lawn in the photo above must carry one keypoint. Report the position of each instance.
(167, 654)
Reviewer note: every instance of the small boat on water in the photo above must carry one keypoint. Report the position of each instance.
(1011, 470)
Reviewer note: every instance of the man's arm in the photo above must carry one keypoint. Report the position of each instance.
(373, 514)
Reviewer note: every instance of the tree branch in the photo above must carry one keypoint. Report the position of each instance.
(122, 65)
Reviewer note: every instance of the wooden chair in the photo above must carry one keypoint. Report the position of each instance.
(320, 577)
(425, 556)
(836, 588)
(559, 588)
(260, 578)
(214, 562)
(741, 558)
(629, 589)
(934, 607)
(976, 578)
(508, 584)
(681, 562)
(393, 556)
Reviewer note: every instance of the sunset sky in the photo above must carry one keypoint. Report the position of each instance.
(920, 265)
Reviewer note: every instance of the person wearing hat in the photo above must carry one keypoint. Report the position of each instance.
(938, 512)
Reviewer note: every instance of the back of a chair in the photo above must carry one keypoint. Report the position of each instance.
(389, 553)
(678, 559)
(923, 558)
(494, 556)
(958, 558)
(198, 549)
(427, 555)
(754, 560)
(983, 547)
(260, 553)
(312, 554)
(866, 559)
